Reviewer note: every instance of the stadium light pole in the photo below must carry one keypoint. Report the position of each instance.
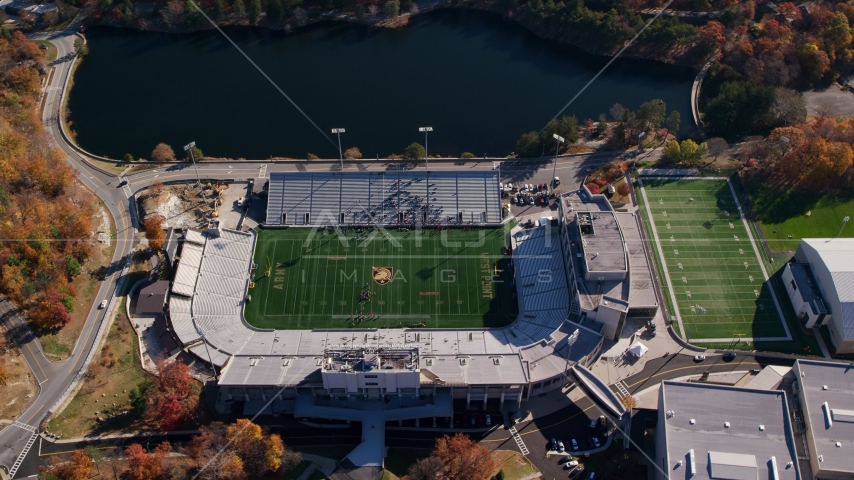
(189, 148)
(205, 341)
(426, 130)
(557, 148)
(339, 131)
(844, 221)
(694, 330)
(570, 341)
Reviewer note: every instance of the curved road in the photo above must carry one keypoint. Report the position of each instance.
(56, 378)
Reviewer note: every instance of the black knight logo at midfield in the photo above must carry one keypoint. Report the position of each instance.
(382, 275)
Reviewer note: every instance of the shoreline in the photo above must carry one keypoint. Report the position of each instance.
(399, 22)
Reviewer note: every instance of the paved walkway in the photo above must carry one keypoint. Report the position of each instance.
(324, 464)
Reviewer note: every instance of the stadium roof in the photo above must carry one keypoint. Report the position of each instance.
(831, 384)
(837, 256)
(604, 249)
(718, 431)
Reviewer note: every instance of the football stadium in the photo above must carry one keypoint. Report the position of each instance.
(414, 289)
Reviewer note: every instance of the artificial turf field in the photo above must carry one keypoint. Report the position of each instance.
(320, 279)
(710, 260)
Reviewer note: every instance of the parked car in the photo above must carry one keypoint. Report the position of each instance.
(596, 442)
(592, 423)
(574, 444)
(576, 473)
(488, 421)
(570, 465)
(602, 421)
(473, 419)
(699, 358)
(530, 200)
(728, 357)
(556, 181)
(560, 447)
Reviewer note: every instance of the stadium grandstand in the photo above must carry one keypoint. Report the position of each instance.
(387, 198)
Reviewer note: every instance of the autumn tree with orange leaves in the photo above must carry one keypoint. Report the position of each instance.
(77, 467)
(44, 212)
(154, 231)
(147, 466)
(463, 458)
(239, 450)
(174, 398)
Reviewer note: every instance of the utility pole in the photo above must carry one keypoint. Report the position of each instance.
(189, 148)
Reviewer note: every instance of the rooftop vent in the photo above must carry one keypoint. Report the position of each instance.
(821, 458)
(671, 414)
(761, 428)
(824, 387)
(838, 444)
(726, 424)
(692, 421)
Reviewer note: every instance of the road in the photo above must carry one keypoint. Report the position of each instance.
(55, 378)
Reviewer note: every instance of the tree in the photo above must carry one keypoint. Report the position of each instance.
(163, 153)
(154, 231)
(463, 458)
(352, 153)
(674, 121)
(77, 468)
(687, 151)
(252, 451)
(255, 12)
(740, 108)
(72, 267)
(415, 151)
(146, 466)
(3, 375)
(239, 8)
(594, 188)
(652, 112)
(529, 145)
(789, 107)
(566, 127)
(717, 147)
(629, 402)
(429, 468)
(624, 189)
(81, 48)
(197, 154)
(274, 10)
(617, 111)
(137, 396)
(391, 9)
(129, 157)
(467, 155)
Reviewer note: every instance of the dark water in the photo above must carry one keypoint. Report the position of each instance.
(478, 80)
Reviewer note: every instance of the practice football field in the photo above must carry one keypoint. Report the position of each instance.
(710, 262)
(370, 279)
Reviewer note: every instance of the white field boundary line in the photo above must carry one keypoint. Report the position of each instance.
(788, 336)
(662, 257)
(762, 266)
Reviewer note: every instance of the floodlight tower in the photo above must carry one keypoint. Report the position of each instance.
(189, 148)
(426, 130)
(844, 221)
(557, 148)
(694, 330)
(339, 131)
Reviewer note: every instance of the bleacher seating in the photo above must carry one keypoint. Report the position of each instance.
(364, 198)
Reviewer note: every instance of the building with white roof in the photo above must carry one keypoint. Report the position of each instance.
(707, 431)
(825, 414)
(820, 284)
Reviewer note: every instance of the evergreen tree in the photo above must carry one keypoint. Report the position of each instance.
(239, 8)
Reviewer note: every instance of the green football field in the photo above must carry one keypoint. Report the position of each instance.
(371, 279)
(710, 261)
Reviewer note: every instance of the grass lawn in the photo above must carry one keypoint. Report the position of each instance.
(49, 50)
(784, 213)
(404, 278)
(710, 260)
(514, 465)
(115, 372)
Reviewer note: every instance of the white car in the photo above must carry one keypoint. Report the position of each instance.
(570, 465)
(103, 304)
(574, 444)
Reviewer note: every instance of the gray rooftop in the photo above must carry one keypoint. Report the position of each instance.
(758, 430)
(839, 396)
(837, 256)
(642, 290)
(602, 240)
(807, 287)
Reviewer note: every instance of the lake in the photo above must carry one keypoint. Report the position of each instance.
(479, 80)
